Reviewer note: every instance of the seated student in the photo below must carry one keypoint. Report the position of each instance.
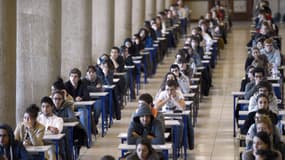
(147, 99)
(92, 82)
(264, 124)
(136, 39)
(263, 109)
(184, 65)
(170, 98)
(144, 151)
(30, 132)
(264, 87)
(145, 125)
(183, 80)
(250, 88)
(53, 124)
(59, 85)
(272, 54)
(10, 148)
(260, 141)
(254, 59)
(248, 78)
(63, 109)
(75, 87)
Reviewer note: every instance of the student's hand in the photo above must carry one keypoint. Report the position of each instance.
(53, 130)
(149, 136)
(28, 124)
(78, 99)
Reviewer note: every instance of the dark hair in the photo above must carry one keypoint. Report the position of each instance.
(264, 137)
(59, 84)
(58, 92)
(47, 99)
(146, 142)
(33, 111)
(173, 66)
(172, 83)
(146, 97)
(162, 87)
(91, 67)
(262, 95)
(263, 112)
(75, 71)
(259, 70)
(116, 48)
(107, 157)
(267, 154)
(265, 84)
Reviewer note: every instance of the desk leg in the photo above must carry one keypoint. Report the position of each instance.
(110, 108)
(103, 115)
(82, 119)
(234, 116)
(175, 141)
(145, 69)
(71, 147)
(185, 130)
(165, 154)
(56, 148)
(42, 155)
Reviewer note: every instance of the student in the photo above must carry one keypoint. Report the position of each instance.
(264, 87)
(250, 88)
(272, 54)
(145, 125)
(59, 85)
(170, 98)
(260, 141)
(248, 78)
(183, 80)
(30, 132)
(75, 87)
(92, 82)
(144, 151)
(53, 124)
(11, 149)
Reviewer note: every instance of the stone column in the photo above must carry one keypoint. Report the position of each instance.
(37, 51)
(150, 9)
(168, 3)
(138, 15)
(102, 27)
(8, 61)
(75, 35)
(160, 5)
(123, 14)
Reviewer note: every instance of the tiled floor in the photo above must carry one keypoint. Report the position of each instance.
(213, 134)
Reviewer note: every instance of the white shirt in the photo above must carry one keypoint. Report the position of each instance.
(53, 121)
(170, 104)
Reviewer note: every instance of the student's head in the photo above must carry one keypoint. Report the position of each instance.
(259, 74)
(262, 101)
(47, 106)
(260, 113)
(147, 99)
(261, 141)
(128, 42)
(143, 115)
(171, 86)
(58, 99)
(194, 42)
(31, 114)
(143, 148)
(249, 72)
(265, 154)
(174, 68)
(91, 72)
(107, 157)
(115, 52)
(74, 76)
(268, 45)
(58, 85)
(264, 124)
(136, 39)
(255, 52)
(264, 87)
(6, 135)
(170, 76)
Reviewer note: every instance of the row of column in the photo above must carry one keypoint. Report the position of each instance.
(43, 39)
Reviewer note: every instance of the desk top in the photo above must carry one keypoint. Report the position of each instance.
(38, 148)
(171, 113)
(137, 61)
(129, 67)
(70, 124)
(53, 136)
(109, 86)
(137, 57)
(166, 146)
(171, 122)
(189, 95)
(84, 103)
(98, 94)
(238, 93)
(205, 61)
(243, 101)
(116, 80)
(120, 73)
(193, 86)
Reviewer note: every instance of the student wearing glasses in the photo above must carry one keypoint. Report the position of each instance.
(250, 88)
(183, 80)
(272, 54)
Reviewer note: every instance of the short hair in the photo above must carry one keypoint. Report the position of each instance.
(173, 66)
(146, 97)
(145, 141)
(258, 70)
(107, 157)
(91, 67)
(262, 95)
(266, 120)
(269, 41)
(116, 48)
(33, 111)
(265, 84)
(47, 99)
(75, 71)
(58, 92)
